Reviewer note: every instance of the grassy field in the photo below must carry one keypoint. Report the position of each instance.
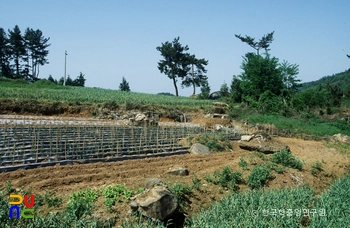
(44, 90)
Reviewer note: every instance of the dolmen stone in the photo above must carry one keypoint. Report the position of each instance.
(156, 203)
(198, 148)
(262, 142)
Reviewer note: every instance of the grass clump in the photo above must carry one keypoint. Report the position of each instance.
(287, 159)
(258, 176)
(215, 143)
(226, 178)
(316, 168)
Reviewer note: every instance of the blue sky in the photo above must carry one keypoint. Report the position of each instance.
(107, 40)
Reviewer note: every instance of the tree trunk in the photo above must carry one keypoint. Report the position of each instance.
(176, 91)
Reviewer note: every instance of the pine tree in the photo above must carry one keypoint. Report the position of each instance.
(195, 77)
(17, 49)
(124, 85)
(37, 51)
(176, 61)
(4, 62)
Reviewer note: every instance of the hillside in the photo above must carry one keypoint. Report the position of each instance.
(341, 79)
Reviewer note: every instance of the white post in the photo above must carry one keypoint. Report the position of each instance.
(65, 68)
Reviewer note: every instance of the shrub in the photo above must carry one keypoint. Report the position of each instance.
(259, 176)
(226, 178)
(286, 158)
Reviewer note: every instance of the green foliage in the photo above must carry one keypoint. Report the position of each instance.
(166, 94)
(180, 190)
(224, 90)
(21, 90)
(258, 176)
(254, 208)
(236, 90)
(225, 178)
(335, 202)
(269, 103)
(195, 77)
(242, 162)
(263, 43)
(89, 195)
(176, 61)
(215, 143)
(205, 90)
(79, 208)
(52, 200)
(341, 79)
(22, 55)
(309, 125)
(114, 194)
(124, 85)
(286, 158)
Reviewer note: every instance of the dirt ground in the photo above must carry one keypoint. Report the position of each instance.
(64, 180)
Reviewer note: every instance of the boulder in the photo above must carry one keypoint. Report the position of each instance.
(156, 203)
(246, 138)
(215, 95)
(263, 143)
(179, 172)
(198, 148)
(151, 182)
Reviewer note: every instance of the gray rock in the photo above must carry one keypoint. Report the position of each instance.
(179, 172)
(157, 203)
(215, 95)
(198, 148)
(151, 182)
(262, 143)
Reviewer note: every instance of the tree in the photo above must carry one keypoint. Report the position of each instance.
(50, 78)
(4, 59)
(263, 43)
(196, 78)
(224, 91)
(37, 51)
(260, 74)
(205, 90)
(80, 80)
(17, 49)
(236, 90)
(176, 62)
(124, 85)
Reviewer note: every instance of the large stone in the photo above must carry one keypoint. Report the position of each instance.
(263, 143)
(179, 172)
(215, 95)
(151, 182)
(198, 148)
(157, 203)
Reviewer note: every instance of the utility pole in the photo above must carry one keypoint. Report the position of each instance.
(65, 68)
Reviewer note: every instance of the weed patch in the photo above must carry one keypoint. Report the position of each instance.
(287, 159)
